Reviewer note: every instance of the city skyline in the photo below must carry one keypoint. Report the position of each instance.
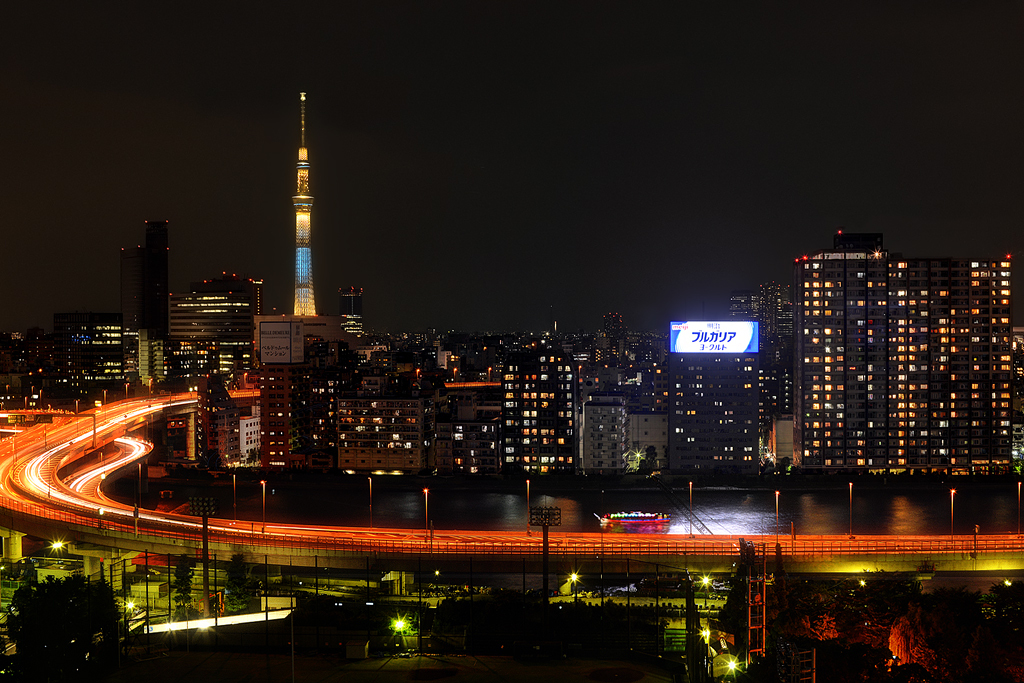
(563, 160)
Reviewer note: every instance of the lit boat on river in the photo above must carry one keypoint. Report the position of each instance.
(636, 522)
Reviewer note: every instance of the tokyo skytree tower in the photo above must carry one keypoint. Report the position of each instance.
(305, 304)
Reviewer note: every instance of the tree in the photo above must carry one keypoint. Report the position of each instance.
(64, 629)
(237, 589)
(183, 573)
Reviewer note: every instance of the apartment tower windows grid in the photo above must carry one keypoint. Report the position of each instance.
(538, 410)
(901, 364)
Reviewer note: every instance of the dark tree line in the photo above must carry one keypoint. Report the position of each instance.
(884, 628)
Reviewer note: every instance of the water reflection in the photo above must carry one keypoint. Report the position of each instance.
(736, 512)
(905, 517)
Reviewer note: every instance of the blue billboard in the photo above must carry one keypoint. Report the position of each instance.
(713, 336)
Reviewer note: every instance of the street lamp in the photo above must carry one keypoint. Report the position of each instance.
(851, 509)
(776, 519)
(234, 494)
(1018, 508)
(952, 492)
(527, 507)
(574, 579)
(691, 509)
(426, 513)
(263, 483)
(370, 480)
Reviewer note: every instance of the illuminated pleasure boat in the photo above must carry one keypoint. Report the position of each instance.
(636, 522)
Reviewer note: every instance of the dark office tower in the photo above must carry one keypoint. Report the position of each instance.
(774, 313)
(350, 307)
(144, 291)
(613, 326)
(901, 364)
(611, 342)
(212, 326)
(538, 410)
(87, 348)
(743, 304)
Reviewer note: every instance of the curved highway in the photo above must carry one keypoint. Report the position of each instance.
(48, 472)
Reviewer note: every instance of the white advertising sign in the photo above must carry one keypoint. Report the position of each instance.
(716, 336)
(281, 342)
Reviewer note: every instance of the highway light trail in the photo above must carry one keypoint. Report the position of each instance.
(29, 485)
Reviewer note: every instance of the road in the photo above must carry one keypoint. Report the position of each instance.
(29, 484)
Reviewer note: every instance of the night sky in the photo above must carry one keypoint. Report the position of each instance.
(489, 165)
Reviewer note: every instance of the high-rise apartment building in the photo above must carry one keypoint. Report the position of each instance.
(284, 397)
(350, 307)
(902, 364)
(605, 433)
(384, 434)
(538, 412)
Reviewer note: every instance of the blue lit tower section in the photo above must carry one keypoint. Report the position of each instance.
(305, 304)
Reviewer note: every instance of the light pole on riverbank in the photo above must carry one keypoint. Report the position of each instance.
(851, 509)
(426, 513)
(776, 519)
(691, 509)
(952, 492)
(527, 507)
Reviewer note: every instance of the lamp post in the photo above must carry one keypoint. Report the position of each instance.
(370, 481)
(691, 509)
(426, 513)
(1018, 508)
(263, 483)
(952, 492)
(527, 507)
(234, 494)
(776, 519)
(851, 509)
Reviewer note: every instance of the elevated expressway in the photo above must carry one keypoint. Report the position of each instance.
(50, 479)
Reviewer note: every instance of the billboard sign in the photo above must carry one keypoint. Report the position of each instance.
(281, 341)
(716, 336)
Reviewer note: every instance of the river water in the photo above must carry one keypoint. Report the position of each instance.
(876, 509)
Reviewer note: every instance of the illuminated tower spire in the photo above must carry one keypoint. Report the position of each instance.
(305, 304)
